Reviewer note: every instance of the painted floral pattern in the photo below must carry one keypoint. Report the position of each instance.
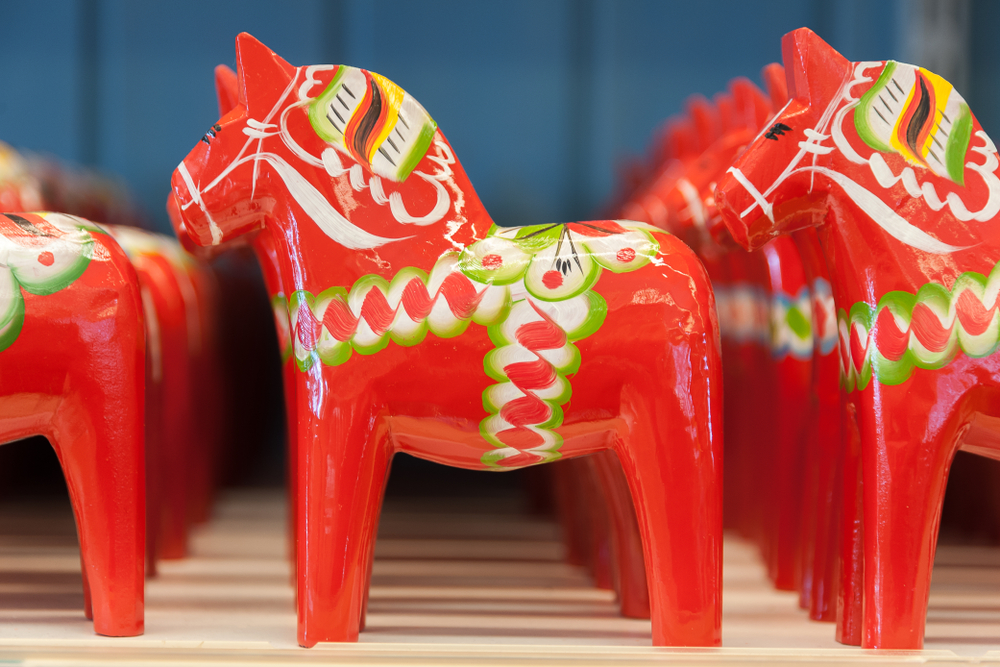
(40, 254)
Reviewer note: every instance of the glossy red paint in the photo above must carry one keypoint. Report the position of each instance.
(183, 387)
(768, 370)
(894, 218)
(74, 373)
(647, 385)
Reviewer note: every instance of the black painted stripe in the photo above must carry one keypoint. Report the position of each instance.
(26, 225)
(367, 123)
(919, 118)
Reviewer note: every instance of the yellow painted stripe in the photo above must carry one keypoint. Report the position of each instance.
(942, 91)
(392, 98)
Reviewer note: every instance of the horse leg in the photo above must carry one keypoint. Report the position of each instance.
(343, 458)
(594, 509)
(674, 470)
(371, 538)
(823, 603)
(905, 458)
(88, 604)
(569, 513)
(288, 371)
(175, 457)
(829, 476)
(808, 494)
(626, 543)
(851, 585)
(100, 448)
(792, 378)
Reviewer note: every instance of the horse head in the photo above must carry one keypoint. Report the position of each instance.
(680, 142)
(689, 200)
(815, 74)
(884, 135)
(343, 147)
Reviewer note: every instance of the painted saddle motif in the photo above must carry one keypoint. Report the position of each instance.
(41, 254)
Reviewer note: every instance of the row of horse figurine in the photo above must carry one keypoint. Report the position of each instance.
(858, 340)
(110, 349)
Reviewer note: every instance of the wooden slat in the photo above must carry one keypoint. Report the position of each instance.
(442, 600)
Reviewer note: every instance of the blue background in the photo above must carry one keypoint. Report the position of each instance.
(540, 98)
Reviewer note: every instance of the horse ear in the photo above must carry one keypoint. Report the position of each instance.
(814, 70)
(775, 84)
(726, 107)
(684, 137)
(262, 74)
(705, 120)
(674, 140)
(226, 89)
(753, 108)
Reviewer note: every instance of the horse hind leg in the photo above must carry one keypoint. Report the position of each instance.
(370, 537)
(594, 509)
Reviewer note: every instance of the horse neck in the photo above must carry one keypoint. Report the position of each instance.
(354, 222)
(299, 253)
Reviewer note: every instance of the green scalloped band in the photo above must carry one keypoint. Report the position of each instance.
(513, 282)
(923, 330)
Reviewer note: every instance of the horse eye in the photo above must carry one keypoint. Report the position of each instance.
(777, 130)
(211, 132)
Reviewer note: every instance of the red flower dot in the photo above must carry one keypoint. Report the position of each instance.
(552, 279)
(492, 262)
(47, 258)
(625, 255)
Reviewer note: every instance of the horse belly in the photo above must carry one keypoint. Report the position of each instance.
(433, 395)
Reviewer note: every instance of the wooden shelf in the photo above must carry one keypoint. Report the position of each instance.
(459, 582)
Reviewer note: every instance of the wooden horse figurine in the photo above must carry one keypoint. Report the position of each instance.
(801, 334)
(824, 449)
(177, 318)
(343, 181)
(889, 163)
(72, 369)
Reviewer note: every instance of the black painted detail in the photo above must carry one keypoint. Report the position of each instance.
(367, 123)
(777, 130)
(26, 225)
(919, 118)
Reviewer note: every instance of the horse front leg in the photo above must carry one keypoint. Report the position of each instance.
(850, 587)
(629, 568)
(98, 437)
(671, 452)
(343, 455)
(905, 457)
